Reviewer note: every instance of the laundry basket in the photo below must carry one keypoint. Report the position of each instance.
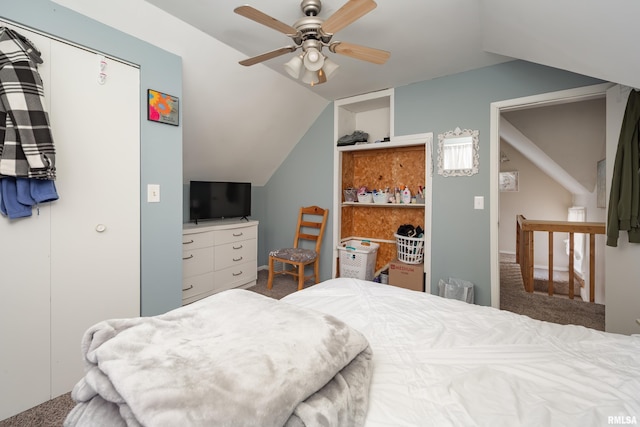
(358, 259)
(410, 250)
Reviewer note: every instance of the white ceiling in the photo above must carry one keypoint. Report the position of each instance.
(426, 39)
(240, 123)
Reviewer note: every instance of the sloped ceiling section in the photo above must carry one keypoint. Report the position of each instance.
(238, 123)
(591, 37)
(566, 140)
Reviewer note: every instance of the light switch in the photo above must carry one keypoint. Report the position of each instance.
(478, 202)
(153, 193)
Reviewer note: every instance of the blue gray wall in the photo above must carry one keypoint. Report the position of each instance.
(160, 147)
(305, 178)
(460, 234)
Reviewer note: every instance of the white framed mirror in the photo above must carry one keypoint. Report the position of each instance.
(458, 152)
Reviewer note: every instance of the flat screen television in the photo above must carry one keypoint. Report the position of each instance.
(218, 200)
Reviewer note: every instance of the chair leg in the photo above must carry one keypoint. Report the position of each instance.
(316, 271)
(270, 281)
(300, 276)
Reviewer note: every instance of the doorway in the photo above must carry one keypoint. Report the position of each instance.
(497, 110)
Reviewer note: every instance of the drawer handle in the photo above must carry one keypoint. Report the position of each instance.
(188, 243)
(237, 259)
(237, 274)
(186, 289)
(189, 257)
(237, 235)
(237, 247)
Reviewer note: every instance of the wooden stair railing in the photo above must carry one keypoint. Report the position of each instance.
(524, 248)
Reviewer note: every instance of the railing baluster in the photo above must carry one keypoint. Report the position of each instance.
(571, 272)
(592, 267)
(550, 282)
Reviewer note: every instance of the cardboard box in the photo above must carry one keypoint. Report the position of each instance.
(408, 276)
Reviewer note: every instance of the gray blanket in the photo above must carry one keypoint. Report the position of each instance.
(236, 358)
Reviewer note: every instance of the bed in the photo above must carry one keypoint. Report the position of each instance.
(421, 360)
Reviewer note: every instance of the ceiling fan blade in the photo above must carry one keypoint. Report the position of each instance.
(348, 13)
(264, 19)
(268, 55)
(364, 53)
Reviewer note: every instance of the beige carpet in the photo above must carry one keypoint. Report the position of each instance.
(556, 309)
(48, 414)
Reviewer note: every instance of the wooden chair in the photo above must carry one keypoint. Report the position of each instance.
(298, 257)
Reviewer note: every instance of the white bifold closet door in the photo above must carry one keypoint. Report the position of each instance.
(76, 261)
(95, 233)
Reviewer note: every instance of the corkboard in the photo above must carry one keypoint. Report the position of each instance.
(379, 169)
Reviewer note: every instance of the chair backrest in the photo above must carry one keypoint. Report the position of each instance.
(310, 227)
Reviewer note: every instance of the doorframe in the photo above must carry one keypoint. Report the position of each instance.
(545, 99)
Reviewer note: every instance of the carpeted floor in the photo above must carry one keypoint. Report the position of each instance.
(512, 298)
(556, 309)
(48, 414)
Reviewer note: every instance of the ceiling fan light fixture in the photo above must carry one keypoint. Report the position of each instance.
(294, 66)
(329, 67)
(313, 59)
(310, 77)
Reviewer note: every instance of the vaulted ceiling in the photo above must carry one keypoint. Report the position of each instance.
(240, 123)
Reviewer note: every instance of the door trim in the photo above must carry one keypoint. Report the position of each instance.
(544, 99)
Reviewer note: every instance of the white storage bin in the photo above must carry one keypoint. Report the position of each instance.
(358, 259)
(365, 198)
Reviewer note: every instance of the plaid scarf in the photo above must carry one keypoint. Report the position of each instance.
(26, 143)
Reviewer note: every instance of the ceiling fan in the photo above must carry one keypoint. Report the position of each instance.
(311, 34)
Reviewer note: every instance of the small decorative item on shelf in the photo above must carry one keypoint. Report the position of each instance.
(406, 195)
(380, 197)
(420, 195)
(365, 197)
(350, 194)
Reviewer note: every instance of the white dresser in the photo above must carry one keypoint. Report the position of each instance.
(218, 255)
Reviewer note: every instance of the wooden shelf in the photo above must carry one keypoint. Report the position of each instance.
(385, 205)
(394, 143)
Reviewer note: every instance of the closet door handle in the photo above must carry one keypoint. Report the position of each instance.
(189, 257)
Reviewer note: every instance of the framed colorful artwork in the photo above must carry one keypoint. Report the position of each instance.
(163, 108)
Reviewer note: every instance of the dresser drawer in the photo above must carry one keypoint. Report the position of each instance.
(197, 240)
(197, 261)
(235, 253)
(235, 276)
(197, 285)
(235, 235)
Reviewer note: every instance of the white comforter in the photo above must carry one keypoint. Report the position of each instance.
(441, 362)
(236, 358)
